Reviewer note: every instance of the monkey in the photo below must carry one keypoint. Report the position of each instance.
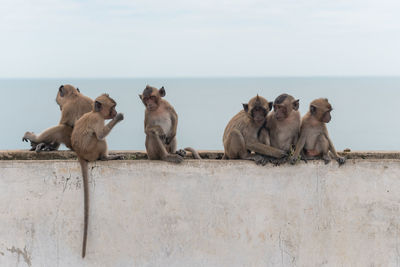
(241, 135)
(160, 125)
(314, 139)
(73, 105)
(88, 142)
(284, 122)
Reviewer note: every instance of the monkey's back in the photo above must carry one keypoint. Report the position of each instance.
(74, 110)
(239, 122)
(83, 138)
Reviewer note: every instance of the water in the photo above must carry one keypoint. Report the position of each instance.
(365, 115)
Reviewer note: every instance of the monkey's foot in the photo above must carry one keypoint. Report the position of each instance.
(293, 160)
(260, 160)
(174, 158)
(181, 153)
(40, 147)
(27, 137)
(113, 157)
(278, 162)
(341, 160)
(326, 159)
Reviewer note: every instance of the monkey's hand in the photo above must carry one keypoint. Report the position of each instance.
(119, 117)
(260, 160)
(293, 160)
(341, 160)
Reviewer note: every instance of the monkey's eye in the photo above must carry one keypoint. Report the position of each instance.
(153, 97)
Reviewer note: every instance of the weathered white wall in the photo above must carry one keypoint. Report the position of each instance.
(201, 213)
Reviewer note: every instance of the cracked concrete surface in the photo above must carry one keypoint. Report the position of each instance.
(201, 213)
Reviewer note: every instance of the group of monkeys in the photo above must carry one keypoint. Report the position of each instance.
(256, 133)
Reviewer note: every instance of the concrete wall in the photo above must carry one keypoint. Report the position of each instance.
(201, 213)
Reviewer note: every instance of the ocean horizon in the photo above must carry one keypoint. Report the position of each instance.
(364, 115)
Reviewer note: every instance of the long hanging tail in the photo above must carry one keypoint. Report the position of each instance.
(84, 167)
(194, 152)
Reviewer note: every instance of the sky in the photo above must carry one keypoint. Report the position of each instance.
(191, 38)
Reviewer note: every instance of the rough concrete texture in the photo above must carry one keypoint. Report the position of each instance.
(201, 213)
(137, 155)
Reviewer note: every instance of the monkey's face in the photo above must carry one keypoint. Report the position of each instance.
(151, 102)
(105, 105)
(259, 114)
(281, 112)
(151, 97)
(321, 109)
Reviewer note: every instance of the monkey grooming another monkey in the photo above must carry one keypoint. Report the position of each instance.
(160, 125)
(284, 122)
(88, 141)
(72, 105)
(314, 138)
(242, 133)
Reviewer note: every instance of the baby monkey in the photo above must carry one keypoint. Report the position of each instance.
(88, 141)
(160, 125)
(242, 134)
(314, 139)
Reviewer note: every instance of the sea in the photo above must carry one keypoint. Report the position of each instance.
(365, 112)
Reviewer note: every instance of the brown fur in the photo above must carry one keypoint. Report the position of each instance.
(72, 105)
(314, 139)
(284, 122)
(242, 133)
(160, 125)
(88, 141)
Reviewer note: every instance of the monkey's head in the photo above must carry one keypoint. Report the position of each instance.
(151, 97)
(283, 106)
(321, 110)
(105, 105)
(66, 93)
(257, 109)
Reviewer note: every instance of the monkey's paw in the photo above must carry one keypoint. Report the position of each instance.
(181, 153)
(293, 160)
(174, 158)
(341, 160)
(260, 160)
(327, 160)
(119, 117)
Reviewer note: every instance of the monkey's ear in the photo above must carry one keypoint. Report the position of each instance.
(313, 109)
(246, 107)
(77, 89)
(162, 92)
(61, 90)
(270, 104)
(97, 106)
(296, 104)
(141, 97)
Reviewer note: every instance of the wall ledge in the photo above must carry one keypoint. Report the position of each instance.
(140, 155)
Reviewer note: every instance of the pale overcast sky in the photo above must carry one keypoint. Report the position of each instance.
(171, 38)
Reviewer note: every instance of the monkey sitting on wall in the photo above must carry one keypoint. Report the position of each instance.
(88, 141)
(160, 125)
(314, 139)
(242, 134)
(73, 105)
(284, 122)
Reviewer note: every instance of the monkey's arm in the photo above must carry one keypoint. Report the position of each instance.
(103, 131)
(174, 123)
(332, 149)
(299, 147)
(256, 146)
(66, 117)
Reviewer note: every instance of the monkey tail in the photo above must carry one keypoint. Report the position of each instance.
(194, 152)
(84, 167)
